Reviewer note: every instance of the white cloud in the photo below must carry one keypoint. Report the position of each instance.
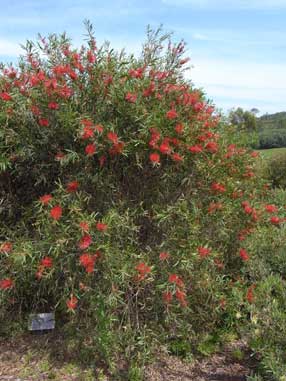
(9, 48)
(260, 37)
(238, 73)
(200, 36)
(236, 83)
(229, 4)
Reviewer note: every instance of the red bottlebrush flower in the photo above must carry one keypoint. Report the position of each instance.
(87, 133)
(112, 136)
(181, 295)
(174, 278)
(6, 284)
(179, 128)
(275, 220)
(101, 227)
(254, 154)
(165, 148)
(154, 158)
(196, 149)
(72, 303)
(85, 242)
(116, 148)
(73, 75)
(5, 97)
(243, 255)
(177, 157)
(84, 226)
(43, 122)
(86, 122)
(171, 114)
(154, 138)
(143, 269)
(51, 84)
(249, 293)
(56, 212)
(203, 138)
(87, 261)
(136, 73)
(249, 174)
(271, 208)
(247, 208)
(212, 147)
(90, 149)
(65, 92)
(129, 97)
(217, 187)
(53, 106)
(6, 247)
(35, 110)
(90, 57)
(203, 251)
(47, 262)
(150, 90)
(164, 256)
(167, 297)
(175, 141)
(198, 106)
(72, 186)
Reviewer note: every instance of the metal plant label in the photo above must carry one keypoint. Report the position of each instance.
(41, 322)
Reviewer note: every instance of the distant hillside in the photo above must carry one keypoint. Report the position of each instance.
(272, 130)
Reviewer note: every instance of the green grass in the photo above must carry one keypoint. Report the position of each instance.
(267, 153)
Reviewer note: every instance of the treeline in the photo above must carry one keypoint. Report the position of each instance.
(269, 130)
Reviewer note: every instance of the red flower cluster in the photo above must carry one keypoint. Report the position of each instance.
(5, 97)
(171, 114)
(56, 212)
(218, 188)
(143, 270)
(131, 97)
(6, 247)
(90, 149)
(85, 242)
(46, 199)
(243, 255)
(46, 263)
(6, 284)
(72, 186)
(164, 256)
(204, 251)
(72, 303)
(270, 208)
(101, 227)
(88, 261)
(179, 293)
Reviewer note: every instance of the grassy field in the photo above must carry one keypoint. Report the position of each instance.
(267, 153)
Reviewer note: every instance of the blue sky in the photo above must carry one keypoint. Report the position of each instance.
(237, 47)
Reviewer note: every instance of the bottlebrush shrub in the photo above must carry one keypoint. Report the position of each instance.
(122, 190)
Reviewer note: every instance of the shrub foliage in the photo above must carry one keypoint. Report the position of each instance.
(126, 203)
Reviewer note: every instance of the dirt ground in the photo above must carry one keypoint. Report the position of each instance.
(39, 358)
